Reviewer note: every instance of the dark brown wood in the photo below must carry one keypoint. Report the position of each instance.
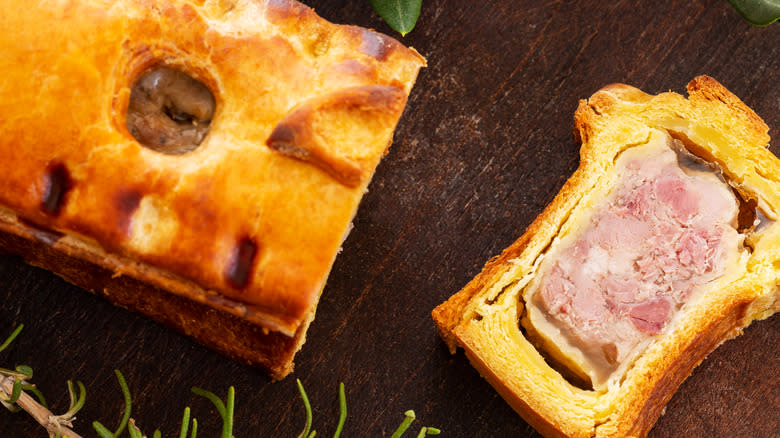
(483, 146)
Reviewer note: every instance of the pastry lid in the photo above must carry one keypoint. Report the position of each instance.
(249, 221)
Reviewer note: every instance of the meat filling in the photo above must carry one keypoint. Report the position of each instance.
(170, 111)
(662, 233)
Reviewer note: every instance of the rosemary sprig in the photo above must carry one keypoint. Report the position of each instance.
(14, 388)
(15, 395)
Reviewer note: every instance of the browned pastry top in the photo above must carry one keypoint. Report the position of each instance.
(255, 214)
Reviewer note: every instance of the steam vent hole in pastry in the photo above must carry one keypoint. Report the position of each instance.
(240, 266)
(169, 111)
(668, 229)
(57, 185)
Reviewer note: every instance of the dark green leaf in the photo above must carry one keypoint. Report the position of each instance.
(758, 12)
(401, 15)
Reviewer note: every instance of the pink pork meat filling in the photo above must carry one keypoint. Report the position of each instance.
(661, 234)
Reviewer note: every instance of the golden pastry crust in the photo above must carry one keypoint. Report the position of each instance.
(238, 224)
(483, 318)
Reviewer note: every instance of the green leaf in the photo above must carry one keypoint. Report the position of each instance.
(401, 15)
(758, 12)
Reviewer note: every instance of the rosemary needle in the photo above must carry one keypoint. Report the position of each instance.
(227, 425)
(428, 431)
(37, 394)
(16, 392)
(128, 402)
(342, 410)
(76, 403)
(11, 337)
(134, 431)
(25, 370)
(408, 419)
(225, 412)
(185, 423)
(101, 430)
(214, 399)
(307, 406)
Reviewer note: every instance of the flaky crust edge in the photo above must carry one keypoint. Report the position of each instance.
(116, 278)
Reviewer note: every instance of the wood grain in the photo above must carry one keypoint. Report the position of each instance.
(484, 145)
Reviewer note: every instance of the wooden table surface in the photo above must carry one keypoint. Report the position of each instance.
(484, 145)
